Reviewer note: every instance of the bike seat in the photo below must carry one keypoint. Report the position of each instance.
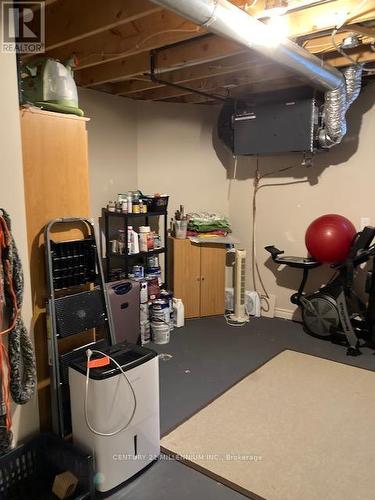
(291, 261)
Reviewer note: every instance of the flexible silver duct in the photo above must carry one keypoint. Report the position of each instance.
(337, 103)
(225, 19)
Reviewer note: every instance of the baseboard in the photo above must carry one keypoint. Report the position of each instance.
(284, 313)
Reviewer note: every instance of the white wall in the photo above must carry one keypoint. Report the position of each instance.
(177, 152)
(25, 418)
(341, 181)
(112, 139)
(175, 156)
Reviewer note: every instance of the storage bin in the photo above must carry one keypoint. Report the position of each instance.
(28, 471)
(156, 203)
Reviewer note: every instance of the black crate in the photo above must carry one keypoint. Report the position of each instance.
(73, 263)
(29, 470)
(157, 203)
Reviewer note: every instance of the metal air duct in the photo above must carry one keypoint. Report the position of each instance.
(227, 20)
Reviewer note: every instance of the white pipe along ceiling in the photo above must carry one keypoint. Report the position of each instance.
(227, 20)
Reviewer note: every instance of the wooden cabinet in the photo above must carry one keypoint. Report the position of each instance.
(56, 178)
(198, 277)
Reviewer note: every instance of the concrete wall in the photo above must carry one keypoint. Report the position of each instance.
(25, 418)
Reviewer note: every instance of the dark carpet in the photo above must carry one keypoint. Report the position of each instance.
(208, 357)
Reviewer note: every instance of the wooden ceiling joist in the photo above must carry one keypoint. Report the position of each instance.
(132, 66)
(69, 21)
(243, 61)
(152, 31)
(98, 31)
(191, 73)
(313, 20)
(203, 49)
(218, 84)
(113, 40)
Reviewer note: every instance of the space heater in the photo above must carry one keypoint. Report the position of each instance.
(239, 315)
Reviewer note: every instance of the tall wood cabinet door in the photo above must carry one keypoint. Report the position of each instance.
(212, 280)
(56, 179)
(186, 275)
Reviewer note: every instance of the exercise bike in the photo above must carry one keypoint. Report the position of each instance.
(335, 312)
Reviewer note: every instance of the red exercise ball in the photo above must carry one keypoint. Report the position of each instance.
(328, 238)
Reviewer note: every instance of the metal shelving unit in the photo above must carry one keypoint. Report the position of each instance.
(125, 261)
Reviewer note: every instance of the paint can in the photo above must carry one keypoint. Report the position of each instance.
(167, 295)
(154, 272)
(153, 288)
(152, 261)
(157, 242)
(159, 311)
(145, 332)
(160, 332)
(138, 271)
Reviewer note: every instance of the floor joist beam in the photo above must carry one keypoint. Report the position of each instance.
(313, 20)
(69, 21)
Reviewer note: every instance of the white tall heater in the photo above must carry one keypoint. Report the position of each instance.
(239, 315)
(100, 427)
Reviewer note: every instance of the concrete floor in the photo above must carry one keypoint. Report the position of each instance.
(208, 357)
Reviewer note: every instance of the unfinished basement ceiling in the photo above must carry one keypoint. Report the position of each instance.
(113, 42)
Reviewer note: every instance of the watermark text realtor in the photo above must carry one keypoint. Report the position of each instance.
(23, 27)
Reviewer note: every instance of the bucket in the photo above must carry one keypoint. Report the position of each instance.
(166, 295)
(160, 332)
(160, 311)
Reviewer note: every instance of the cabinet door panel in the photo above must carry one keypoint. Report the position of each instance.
(186, 276)
(56, 179)
(212, 280)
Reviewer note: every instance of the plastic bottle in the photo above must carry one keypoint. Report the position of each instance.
(130, 238)
(143, 238)
(133, 242)
(136, 242)
(150, 241)
(135, 205)
(130, 203)
(179, 313)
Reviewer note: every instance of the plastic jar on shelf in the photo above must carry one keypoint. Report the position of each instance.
(144, 232)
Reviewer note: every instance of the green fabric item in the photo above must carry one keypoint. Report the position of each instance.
(203, 226)
(60, 108)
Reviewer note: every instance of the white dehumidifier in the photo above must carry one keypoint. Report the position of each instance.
(116, 418)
